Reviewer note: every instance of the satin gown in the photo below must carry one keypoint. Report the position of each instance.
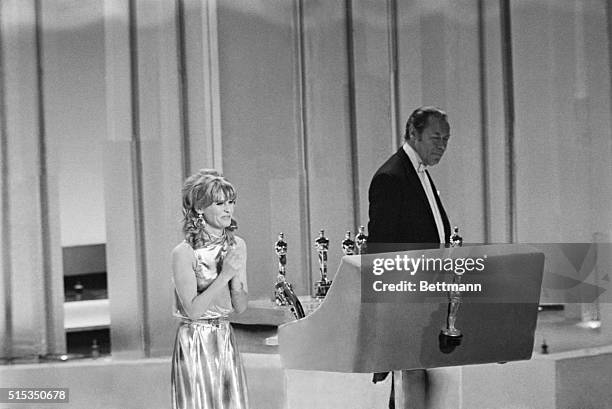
(207, 372)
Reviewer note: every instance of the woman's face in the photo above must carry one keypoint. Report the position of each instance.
(219, 214)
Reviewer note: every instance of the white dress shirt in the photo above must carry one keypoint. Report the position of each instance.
(420, 168)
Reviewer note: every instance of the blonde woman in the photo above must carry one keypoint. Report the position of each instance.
(209, 274)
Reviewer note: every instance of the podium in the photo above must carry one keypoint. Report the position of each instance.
(347, 335)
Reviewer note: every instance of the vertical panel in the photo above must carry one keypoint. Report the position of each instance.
(260, 128)
(484, 118)
(73, 45)
(441, 67)
(160, 135)
(571, 125)
(507, 53)
(460, 173)
(434, 25)
(598, 88)
(351, 101)
(537, 144)
(5, 232)
(123, 250)
(202, 84)
(22, 178)
(562, 118)
(411, 57)
(498, 205)
(373, 116)
(327, 122)
(393, 32)
(49, 220)
(301, 113)
(73, 83)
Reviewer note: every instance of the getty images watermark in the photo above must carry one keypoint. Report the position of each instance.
(409, 266)
(500, 273)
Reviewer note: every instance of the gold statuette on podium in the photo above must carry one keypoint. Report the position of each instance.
(322, 246)
(283, 290)
(455, 239)
(280, 247)
(454, 296)
(348, 245)
(361, 241)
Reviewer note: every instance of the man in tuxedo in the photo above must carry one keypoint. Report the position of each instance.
(404, 204)
(405, 210)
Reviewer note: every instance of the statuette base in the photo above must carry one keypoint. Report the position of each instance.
(451, 332)
(321, 288)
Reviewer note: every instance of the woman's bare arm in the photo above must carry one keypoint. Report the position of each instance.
(236, 259)
(195, 305)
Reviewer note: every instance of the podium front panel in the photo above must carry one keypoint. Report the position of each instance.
(347, 335)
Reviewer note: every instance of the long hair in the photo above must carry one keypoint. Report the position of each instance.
(200, 190)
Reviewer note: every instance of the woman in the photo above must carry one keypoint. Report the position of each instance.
(209, 272)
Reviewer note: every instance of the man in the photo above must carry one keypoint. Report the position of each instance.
(404, 204)
(405, 210)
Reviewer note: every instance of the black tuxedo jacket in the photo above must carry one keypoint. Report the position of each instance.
(399, 210)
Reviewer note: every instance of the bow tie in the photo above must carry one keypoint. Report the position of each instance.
(422, 167)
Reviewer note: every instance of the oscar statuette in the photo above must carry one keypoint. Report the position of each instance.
(283, 290)
(361, 241)
(454, 297)
(322, 246)
(348, 245)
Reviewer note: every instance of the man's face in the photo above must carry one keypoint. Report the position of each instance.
(431, 143)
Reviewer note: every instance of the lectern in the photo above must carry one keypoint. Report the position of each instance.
(497, 324)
